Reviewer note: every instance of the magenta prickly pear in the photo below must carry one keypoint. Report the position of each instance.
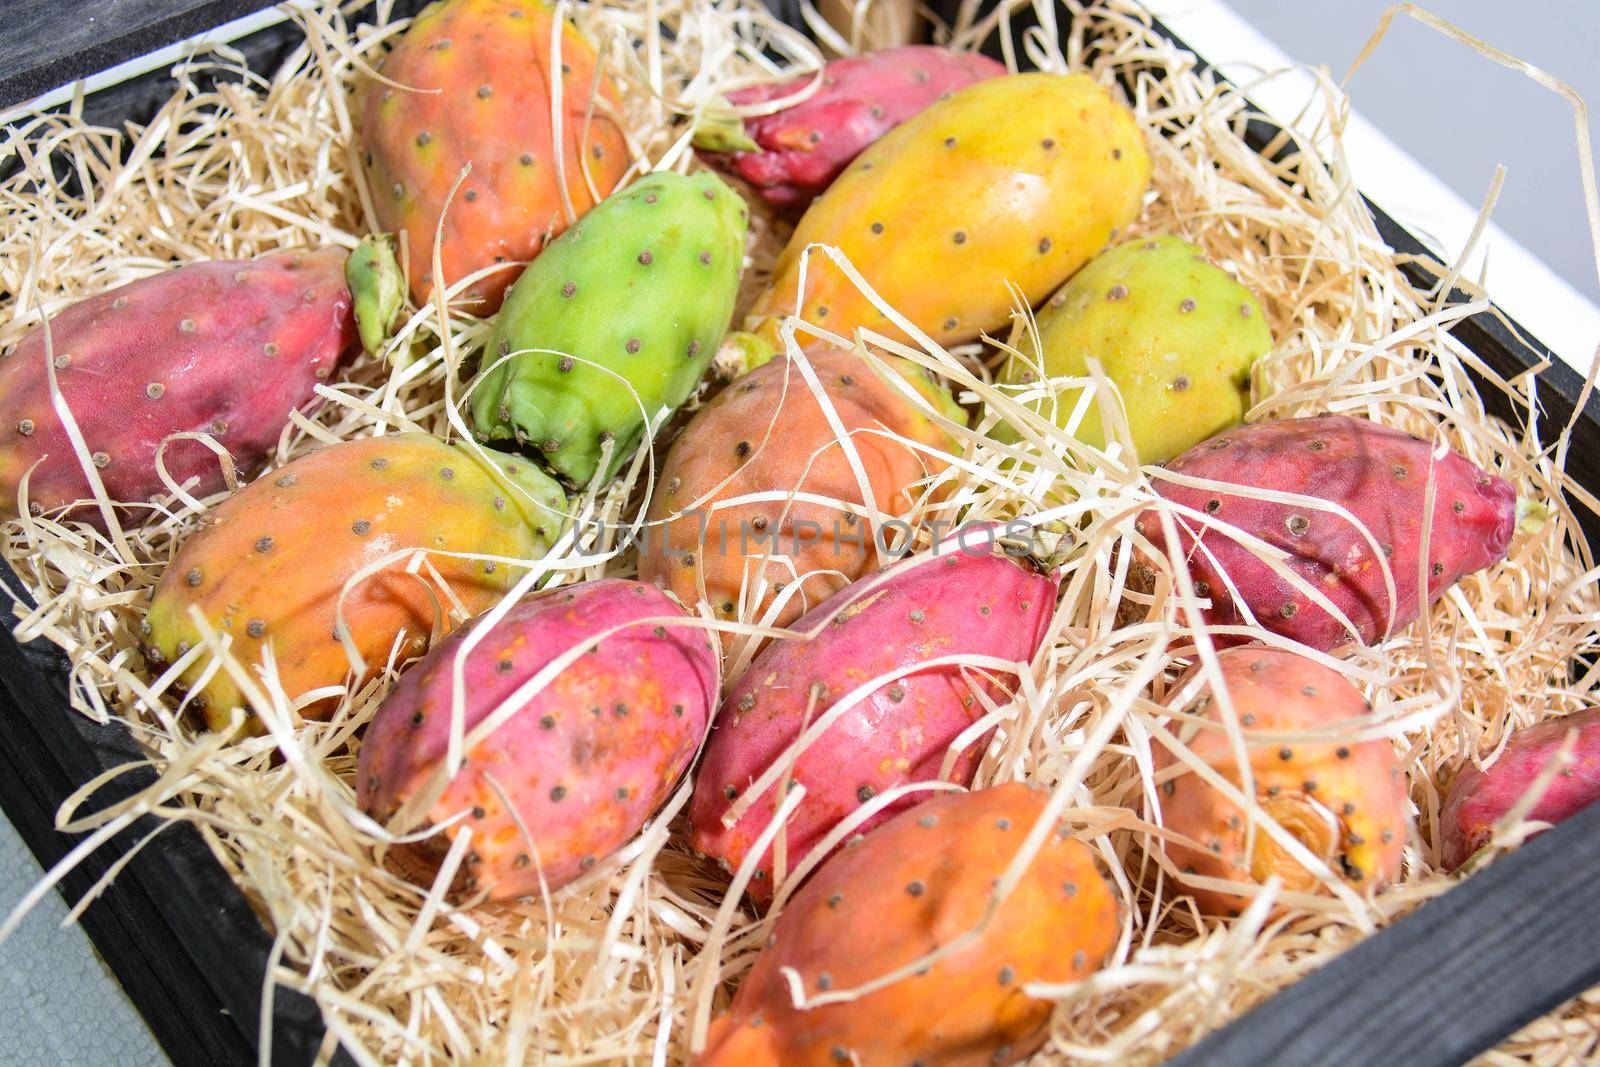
(1481, 796)
(1380, 475)
(795, 154)
(226, 348)
(578, 768)
(975, 602)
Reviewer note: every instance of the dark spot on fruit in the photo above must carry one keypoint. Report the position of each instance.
(1213, 506)
(1180, 383)
(193, 577)
(1117, 292)
(417, 718)
(632, 346)
(960, 237)
(1286, 753)
(264, 544)
(742, 448)
(568, 289)
(877, 227)
(485, 92)
(1298, 524)
(865, 793)
(1289, 609)
(915, 888)
(558, 793)
(645, 258)
(360, 527)
(565, 364)
(1438, 569)
(1388, 549)
(1316, 444)
(155, 390)
(897, 693)
(1244, 310)
(547, 722)
(270, 348)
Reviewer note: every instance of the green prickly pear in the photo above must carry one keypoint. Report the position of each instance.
(617, 319)
(1175, 333)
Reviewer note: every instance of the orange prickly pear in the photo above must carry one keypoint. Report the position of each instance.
(1016, 180)
(767, 434)
(1345, 800)
(913, 885)
(227, 347)
(267, 565)
(478, 90)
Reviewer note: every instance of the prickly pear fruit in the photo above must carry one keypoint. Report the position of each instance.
(1481, 797)
(766, 433)
(914, 885)
(478, 90)
(226, 348)
(578, 767)
(1012, 181)
(1381, 476)
(618, 319)
(1174, 332)
(974, 600)
(1344, 800)
(799, 151)
(267, 566)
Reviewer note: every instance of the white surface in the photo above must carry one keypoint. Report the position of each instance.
(1518, 281)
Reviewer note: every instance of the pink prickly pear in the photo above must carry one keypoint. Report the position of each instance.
(1380, 475)
(977, 602)
(1481, 797)
(797, 152)
(580, 765)
(226, 348)
(1344, 800)
(916, 884)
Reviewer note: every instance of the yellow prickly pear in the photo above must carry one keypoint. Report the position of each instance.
(1012, 181)
(1175, 333)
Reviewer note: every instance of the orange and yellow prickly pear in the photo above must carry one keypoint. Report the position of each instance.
(1342, 797)
(268, 565)
(1014, 181)
(913, 885)
(478, 90)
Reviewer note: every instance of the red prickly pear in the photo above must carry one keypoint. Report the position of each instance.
(1380, 475)
(478, 90)
(1345, 801)
(765, 433)
(1009, 186)
(1480, 797)
(267, 565)
(227, 348)
(579, 766)
(805, 146)
(976, 602)
(914, 885)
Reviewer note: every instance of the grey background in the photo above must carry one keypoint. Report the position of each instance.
(58, 1002)
(1459, 114)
